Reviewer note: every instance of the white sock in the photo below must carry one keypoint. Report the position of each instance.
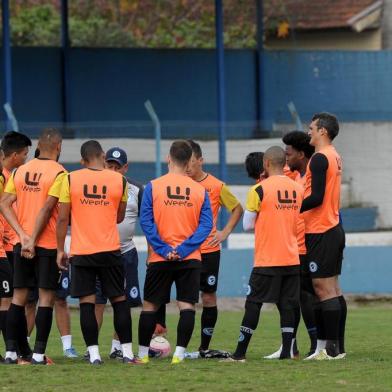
(116, 345)
(321, 345)
(94, 353)
(127, 350)
(67, 342)
(11, 354)
(143, 351)
(180, 352)
(38, 357)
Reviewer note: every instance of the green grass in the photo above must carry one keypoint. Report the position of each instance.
(368, 366)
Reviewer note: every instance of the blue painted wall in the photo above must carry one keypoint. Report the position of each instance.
(366, 270)
(110, 85)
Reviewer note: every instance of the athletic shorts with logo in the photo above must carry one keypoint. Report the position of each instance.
(132, 290)
(325, 252)
(160, 277)
(105, 266)
(40, 272)
(278, 285)
(209, 272)
(5, 278)
(305, 279)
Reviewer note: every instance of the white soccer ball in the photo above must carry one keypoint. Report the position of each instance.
(159, 347)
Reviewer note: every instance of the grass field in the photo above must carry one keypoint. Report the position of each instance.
(368, 366)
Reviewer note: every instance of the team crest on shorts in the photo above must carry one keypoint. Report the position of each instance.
(313, 267)
(211, 280)
(134, 292)
(65, 283)
(248, 290)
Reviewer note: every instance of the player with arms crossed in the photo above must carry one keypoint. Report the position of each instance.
(96, 199)
(32, 187)
(272, 210)
(176, 219)
(325, 238)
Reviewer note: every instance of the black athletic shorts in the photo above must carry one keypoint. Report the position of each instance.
(41, 271)
(277, 285)
(132, 291)
(161, 275)
(64, 288)
(5, 278)
(325, 252)
(209, 272)
(106, 266)
(305, 279)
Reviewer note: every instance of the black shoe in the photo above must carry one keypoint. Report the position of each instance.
(47, 361)
(9, 361)
(210, 354)
(116, 354)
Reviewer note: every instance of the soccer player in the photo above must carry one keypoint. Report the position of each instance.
(32, 186)
(96, 199)
(219, 195)
(117, 160)
(325, 238)
(62, 314)
(176, 219)
(298, 153)
(254, 165)
(5, 269)
(272, 210)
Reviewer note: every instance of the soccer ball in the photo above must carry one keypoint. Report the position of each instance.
(159, 347)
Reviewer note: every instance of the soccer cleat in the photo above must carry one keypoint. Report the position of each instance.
(176, 360)
(210, 354)
(70, 353)
(133, 361)
(144, 360)
(86, 356)
(160, 331)
(47, 361)
(116, 354)
(276, 354)
(97, 362)
(192, 355)
(10, 361)
(233, 360)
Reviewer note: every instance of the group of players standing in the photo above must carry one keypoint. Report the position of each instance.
(299, 244)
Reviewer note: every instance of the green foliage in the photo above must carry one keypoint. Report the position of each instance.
(138, 23)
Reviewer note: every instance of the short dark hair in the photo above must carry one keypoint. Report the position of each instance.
(327, 121)
(181, 152)
(91, 150)
(299, 141)
(14, 142)
(196, 149)
(254, 164)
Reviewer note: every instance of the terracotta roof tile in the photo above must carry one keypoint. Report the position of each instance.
(315, 14)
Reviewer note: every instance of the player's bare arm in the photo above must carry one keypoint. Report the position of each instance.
(61, 233)
(222, 235)
(7, 199)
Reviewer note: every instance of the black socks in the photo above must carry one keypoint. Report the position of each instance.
(208, 321)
